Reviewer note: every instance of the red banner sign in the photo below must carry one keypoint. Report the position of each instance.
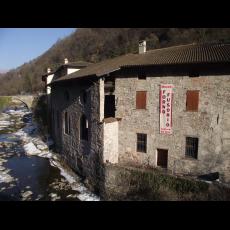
(166, 96)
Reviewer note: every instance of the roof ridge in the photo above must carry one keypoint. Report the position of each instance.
(190, 44)
(177, 46)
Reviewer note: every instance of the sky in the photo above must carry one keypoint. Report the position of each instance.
(21, 45)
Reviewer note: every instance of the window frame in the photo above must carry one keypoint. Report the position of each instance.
(194, 149)
(141, 145)
(84, 131)
(66, 123)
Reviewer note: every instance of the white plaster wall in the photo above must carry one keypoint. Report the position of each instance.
(102, 98)
(71, 70)
(48, 80)
(111, 142)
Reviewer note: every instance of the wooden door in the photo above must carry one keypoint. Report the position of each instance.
(162, 158)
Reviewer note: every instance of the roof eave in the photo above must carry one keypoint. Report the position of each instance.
(71, 79)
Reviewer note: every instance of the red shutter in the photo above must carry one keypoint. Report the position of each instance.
(141, 100)
(192, 100)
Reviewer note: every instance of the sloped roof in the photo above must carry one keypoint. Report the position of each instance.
(184, 54)
(78, 64)
(101, 68)
(75, 64)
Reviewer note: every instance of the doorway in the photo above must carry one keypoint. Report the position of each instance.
(109, 110)
(162, 158)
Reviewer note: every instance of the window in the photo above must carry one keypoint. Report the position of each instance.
(67, 124)
(66, 94)
(141, 142)
(141, 76)
(192, 100)
(109, 106)
(191, 149)
(84, 128)
(141, 100)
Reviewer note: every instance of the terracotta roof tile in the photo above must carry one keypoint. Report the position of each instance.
(184, 54)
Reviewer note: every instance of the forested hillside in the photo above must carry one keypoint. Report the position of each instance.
(97, 44)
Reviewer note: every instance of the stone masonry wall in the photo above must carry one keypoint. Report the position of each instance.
(83, 156)
(211, 124)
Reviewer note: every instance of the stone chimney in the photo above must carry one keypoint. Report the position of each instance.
(48, 70)
(66, 61)
(142, 47)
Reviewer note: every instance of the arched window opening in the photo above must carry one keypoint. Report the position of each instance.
(84, 128)
(67, 124)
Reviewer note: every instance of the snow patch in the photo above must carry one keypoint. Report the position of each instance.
(88, 197)
(42, 147)
(5, 178)
(31, 149)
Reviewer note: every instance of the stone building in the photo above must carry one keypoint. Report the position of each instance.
(62, 70)
(166, 108)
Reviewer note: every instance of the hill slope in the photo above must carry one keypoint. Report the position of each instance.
(97, 44)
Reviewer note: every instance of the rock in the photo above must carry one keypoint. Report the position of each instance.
(56, 198)
(26, 194)
(2, 189)
(2, 168)
(39, 197)
(42, 147)
(72, 196)
(53, 195)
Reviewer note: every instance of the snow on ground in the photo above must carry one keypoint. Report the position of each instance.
(20, 112)
(4, 172)
(33, 145)
(5, 121)
(4, 176)
(4, 124)
(31, 149)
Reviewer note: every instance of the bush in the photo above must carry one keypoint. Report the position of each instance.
(4, 102)
(40, 113)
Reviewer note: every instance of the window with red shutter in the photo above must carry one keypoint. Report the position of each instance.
(141, 100)
(192, 100)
